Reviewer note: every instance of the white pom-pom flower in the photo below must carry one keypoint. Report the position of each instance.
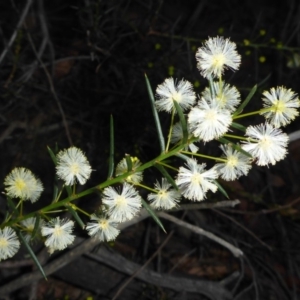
(282, 104)
(122, 205)
(58, 234)
(228, 97)
(194, 181)
(9, 243)
(170, 91)
(208, 121)
(216, 55)
(103, 228)
(72, 166)
(21, 183)
(266, 143)
(236, 164)
(166, 197)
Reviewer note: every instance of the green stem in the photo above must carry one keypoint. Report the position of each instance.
(236, 137)
(204, 156)
(75, 207)
(101, 186)
(252, 113)
(171, 129)
(145, 187)
(167, 166)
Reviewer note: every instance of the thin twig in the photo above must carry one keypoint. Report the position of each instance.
(46, 41)
(244, 228)
(16, 264)
(181, 260)
(19, 25)
(143, 266)
(264, 211)
(208, 205)
(234, 250)
(51, 88)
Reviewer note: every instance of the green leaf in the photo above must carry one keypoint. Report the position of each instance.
(211, 87)
(31, 253)
(238, 126)
(52, 155)
(182, 121)
(264, 80)
(220, 188)
(128, 162)
(55, 192)
(155, 115)
(153, 214)
(165, 173)
(75, 215)
(111, 164)
(238, 148)
(11, 204)
(245, 102)
(36, 226)
(223, 140)
(69, 190)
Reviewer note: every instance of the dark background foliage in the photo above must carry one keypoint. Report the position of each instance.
(73, 64)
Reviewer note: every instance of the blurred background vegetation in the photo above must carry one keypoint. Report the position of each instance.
(67, 66)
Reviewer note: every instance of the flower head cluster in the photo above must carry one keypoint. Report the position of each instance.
(228, 97)
(9, 243)
(21, 183)
(216, 55)
(194, 181)
(72, 166)
(102, 227)
(166, 197)
(208, 121)
(170, 91)
(266, 143)
(58, 233)
(122, 168)
(122, 205)
(236, 164)
(282, 104)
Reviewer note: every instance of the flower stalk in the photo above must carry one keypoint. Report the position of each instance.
(199, 121)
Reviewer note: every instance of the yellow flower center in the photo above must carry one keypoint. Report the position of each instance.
(121, 201)
(221, 99)
(232, 161)
(218, 61)
(74, 168)
(210, 115)
(20, 184)
(30, 227)
(196, 178)
(3, 243)
(162, 194)
(177, 97)
(279, 106)
(103, 224)
(266, 143)
(57, 231)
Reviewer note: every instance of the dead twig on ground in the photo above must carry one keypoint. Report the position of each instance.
(212, 290)
(234, 250)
